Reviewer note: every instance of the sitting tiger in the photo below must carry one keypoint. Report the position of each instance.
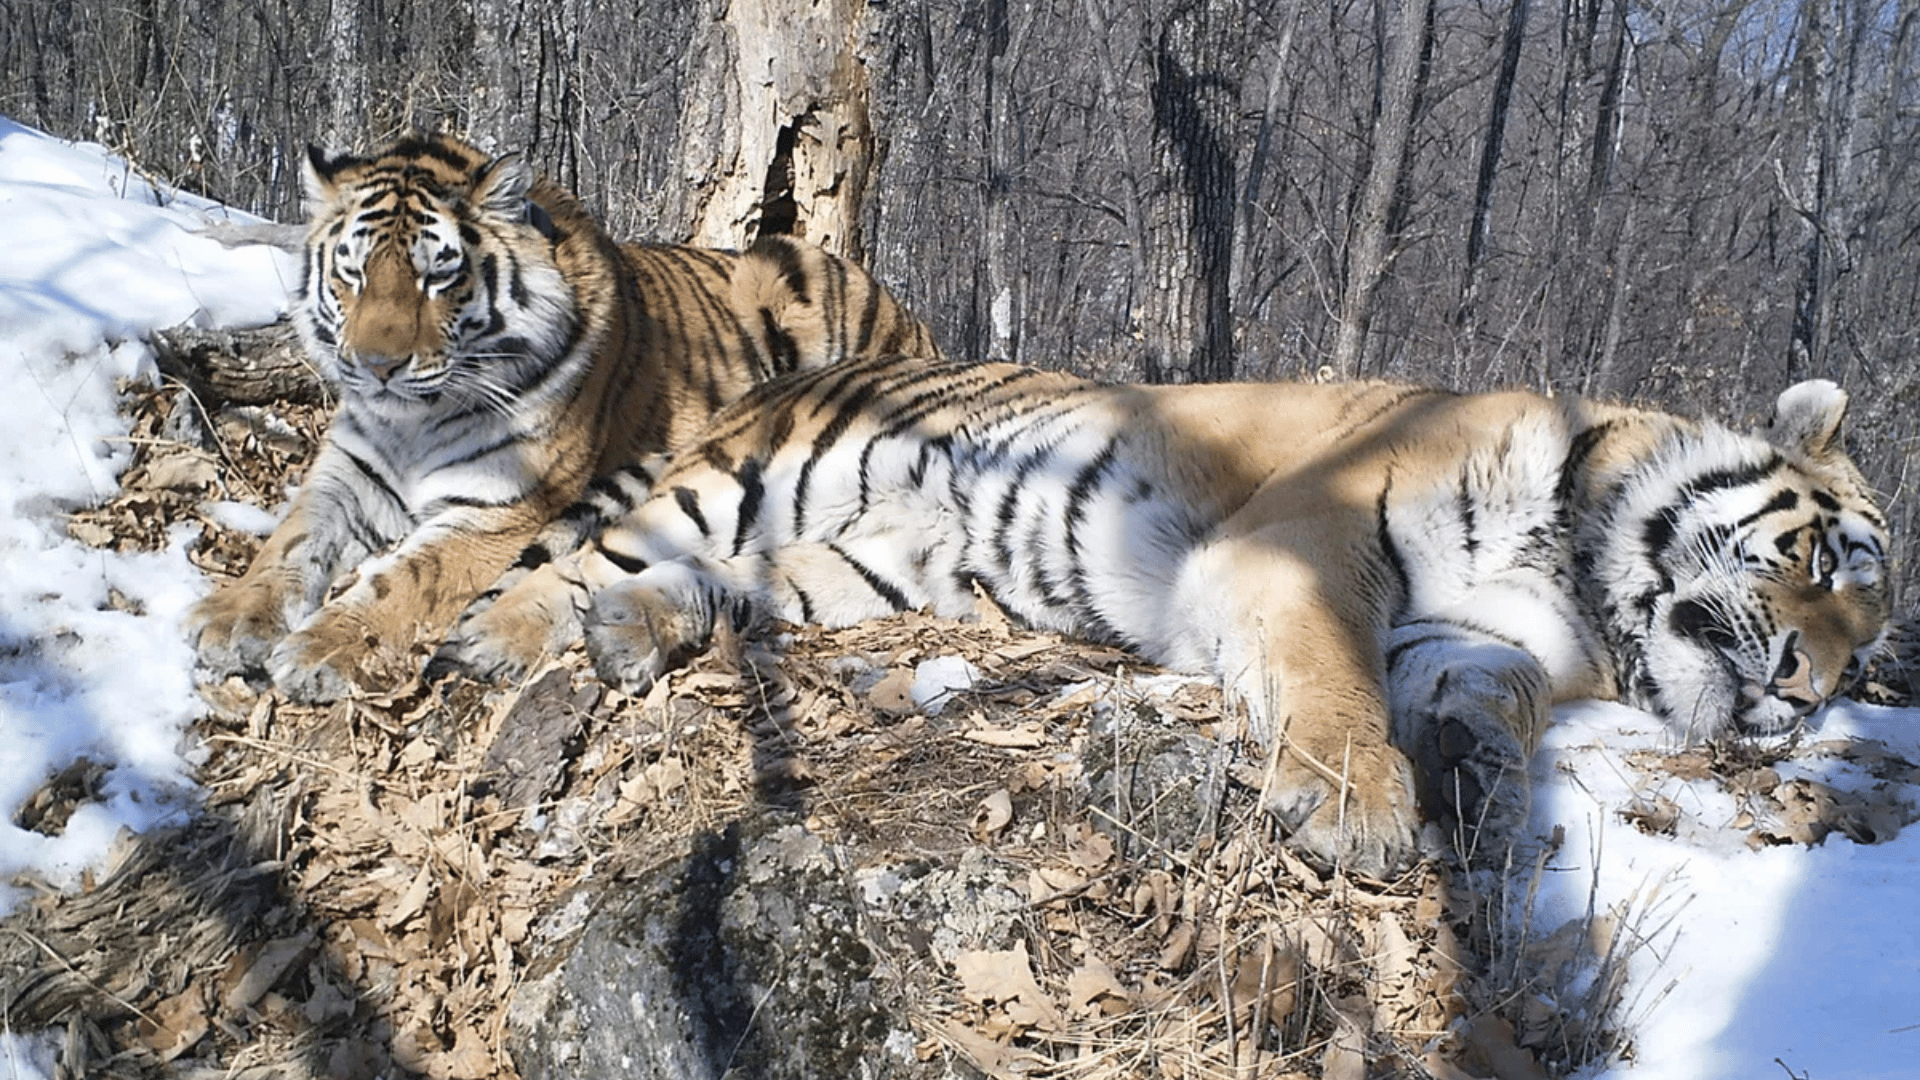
(493, 352)
(1395, 583)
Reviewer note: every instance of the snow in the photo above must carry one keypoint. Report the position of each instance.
(1807, 955)
(95, 259)
(937, 679)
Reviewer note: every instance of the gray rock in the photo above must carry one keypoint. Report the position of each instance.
(744, 958)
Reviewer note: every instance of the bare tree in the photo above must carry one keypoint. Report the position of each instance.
(1370, 243)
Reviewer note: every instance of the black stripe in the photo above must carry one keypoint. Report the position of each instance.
(532, 557)
(752, 492)
(1658, 531)
(1579, 449)
(806, 601)
(849, 411)
(689, 504)
(784, 354)
(516, 280)
(885, 589)
(631, 564)
(1401, 648)
(1786, 499)
(366, 469)
(1085, 483)
(607, 486)
(833, 309)
(1390, 551)
(482, 451)
(1469, 518)
(468, 502)
(786, 256)
(869, 316)
(1009, 507)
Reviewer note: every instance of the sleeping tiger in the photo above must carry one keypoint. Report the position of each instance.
(1394, 583)
(494, 352)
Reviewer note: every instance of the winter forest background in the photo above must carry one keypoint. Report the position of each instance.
(1689, 203)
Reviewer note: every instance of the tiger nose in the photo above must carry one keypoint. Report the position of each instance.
(382, 367)
(1793, 680)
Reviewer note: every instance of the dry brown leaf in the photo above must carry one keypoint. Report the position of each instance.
(893, 694)
(416, 1046)
(1093, 985)
(1046, 883)
(1490, 1038)
(996, 1059)
(470, 1059)
(666, 776)
(256, 971)
(1270, 974)
(1653, 814)
(994, 814)
(172, 1027)
(1005, 977)
(90, 532)
(1345, 1057)
(1026, 735)
(1178, 946)
(182, 470)
(412, 902)
(1091, 849)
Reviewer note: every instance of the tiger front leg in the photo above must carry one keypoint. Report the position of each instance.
(1297, 648)
(541, 614)
(234, 629)
(644, 626)
(1468, 710)
(365, 634)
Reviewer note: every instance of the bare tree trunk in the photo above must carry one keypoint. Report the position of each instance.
(1829, 60)
(1247, 290)
(346, 76)
(1606, 125)
(1132, 196)
(1002, 292)
(1466, 317)
(1369, 233)
(1196, 98)
(804, 151)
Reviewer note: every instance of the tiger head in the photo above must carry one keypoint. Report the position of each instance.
(1770, 585)
(430, 275)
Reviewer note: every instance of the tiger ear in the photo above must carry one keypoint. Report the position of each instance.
(503, 187)
(318, 172)
(1807, 418)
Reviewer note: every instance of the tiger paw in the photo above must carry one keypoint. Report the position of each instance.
(1366, 822)
(316, 663)
(1469, 768)
(502, 639)
(635, 634)
(233, 630)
